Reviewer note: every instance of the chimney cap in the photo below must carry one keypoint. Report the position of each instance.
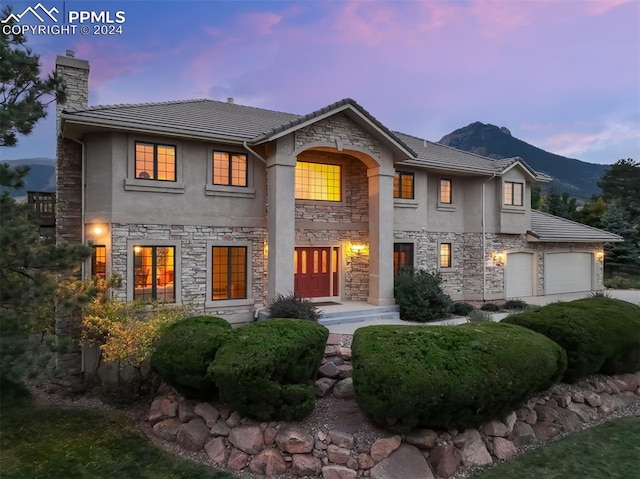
(230, 100)
(71, 54)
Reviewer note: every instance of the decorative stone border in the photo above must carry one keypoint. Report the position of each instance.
(278, 448)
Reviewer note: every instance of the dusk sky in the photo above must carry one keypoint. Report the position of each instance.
(562, 75)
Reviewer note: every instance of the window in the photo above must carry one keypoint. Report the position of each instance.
(403, 185)
(318, 181)
(445, 255)
(402, 256)
(445, 191)
(513, 193)
(154, 273)
(155, 162)
(229, 169)
(229, 272)
(99, 262)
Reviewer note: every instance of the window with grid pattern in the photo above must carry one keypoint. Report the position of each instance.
(445, 255)
(513, 193)
(154, 273)
(229, 169)
(403, 185)
(402, 256)
(229, 272)
(318, 181)
(155, 162)
(99, 262)
(445, 191)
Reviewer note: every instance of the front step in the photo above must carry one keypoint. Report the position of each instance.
(360, 315)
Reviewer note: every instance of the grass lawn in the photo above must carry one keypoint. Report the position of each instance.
(53, 443)
(610, 451)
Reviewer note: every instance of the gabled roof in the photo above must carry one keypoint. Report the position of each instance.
(550, 228)
(218, 121)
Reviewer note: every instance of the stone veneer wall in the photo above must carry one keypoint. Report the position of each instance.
(338, 127)
(193, 261)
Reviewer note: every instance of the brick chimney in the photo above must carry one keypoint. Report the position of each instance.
(69, 177)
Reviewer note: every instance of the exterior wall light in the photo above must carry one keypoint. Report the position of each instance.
(97, 230)
(358, 248)
(599, 255)
(498, 258)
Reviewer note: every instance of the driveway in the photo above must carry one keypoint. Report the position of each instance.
(630, 295)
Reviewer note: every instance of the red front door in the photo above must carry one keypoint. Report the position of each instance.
(313, 267)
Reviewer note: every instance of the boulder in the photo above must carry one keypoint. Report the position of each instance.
(343, 389)
(545, 431)
(522, 434)
(167, 429)
(584, 412)
(495, 429)
(247, 438)
(342, 439)
(305, 465)
(220, 428)
(162, 408)
(345, 371)
(216, 449)
(422, 438)
(509, 420)
(474, 452)
(338, 472)
(527, 415)
(364, 461)
(593, 399)
(345, 353)
(294, 440)
(337, 454)
(406, 462)
(329, 370)
(268, 462)
(503, 448)
(569, 420)
(323, 386)
(238, 460)
(207, 412)
(445, 460)
(382, 447)
(193, 434)
(186, 410)
(545, 413)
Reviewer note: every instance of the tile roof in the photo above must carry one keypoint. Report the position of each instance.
(222, 121)
(550, 228)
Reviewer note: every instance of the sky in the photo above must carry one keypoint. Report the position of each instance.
(563, 75)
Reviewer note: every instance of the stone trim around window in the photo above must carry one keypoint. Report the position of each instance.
(248, 301)
(177, 268)
(131, 183)
(248, 191)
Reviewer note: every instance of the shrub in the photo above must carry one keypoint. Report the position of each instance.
(186, 349)
(420, 296)
(266, 369)
(492, 307)
(461, 308)
(290, 306)
(516, 304)
(449, 376)
(598, 334)
(479, 316)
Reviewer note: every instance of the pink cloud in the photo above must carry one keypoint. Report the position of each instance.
(573, 144)
(262, 22)
(600, 7)
(110, 62)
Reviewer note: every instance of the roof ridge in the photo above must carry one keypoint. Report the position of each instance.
(572, 221)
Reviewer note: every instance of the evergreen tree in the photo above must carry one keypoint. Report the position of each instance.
(22, 91)
(30, 266)
(623, 257)
(621, 183)
(592, 212)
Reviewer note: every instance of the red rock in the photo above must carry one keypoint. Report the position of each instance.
(193, 434)
(207, 412)
(345, 353)
(338, 472)
(383, 447)
(509, 420)
(592, 399)
(503, 448)
(422, 438)
(545, 431)
(545, 413)
(495, 428)
(216, 450)
(270, 434)
(186, 410)
(294, 440)
(406, 462)
(167, 429)
(344, 389)
(162, 408)
(527, 415)
(345, 371)
(249, 439)
(305, 465)
(445, 460)
(268, 462)
(522, 434)
(329, 370)
(238, 460)
(337, 454)
(342, 439)
(474, 452)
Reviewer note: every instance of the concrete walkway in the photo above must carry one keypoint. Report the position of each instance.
(630, 295)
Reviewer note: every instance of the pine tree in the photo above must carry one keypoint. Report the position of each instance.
(22, 91)
(623, 257)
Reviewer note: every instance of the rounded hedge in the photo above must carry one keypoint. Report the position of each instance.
(185, 350)
(266, 369)
(449, 376)
(599, 334)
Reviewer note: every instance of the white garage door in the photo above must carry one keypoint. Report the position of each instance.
(567, 272)
(519, 275)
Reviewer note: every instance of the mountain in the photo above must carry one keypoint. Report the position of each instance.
(578, 178)
(41, 177)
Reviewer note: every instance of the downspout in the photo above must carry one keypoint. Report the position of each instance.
(484, 242)
(246, 147)
(83, 173)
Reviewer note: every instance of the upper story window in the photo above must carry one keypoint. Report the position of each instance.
(445, 255)
(229, 169)
(154, 161)
(318, 181)
(445, 194)
(513, 193)
(403, 185)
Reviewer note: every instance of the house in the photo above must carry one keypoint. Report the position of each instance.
(222, 206)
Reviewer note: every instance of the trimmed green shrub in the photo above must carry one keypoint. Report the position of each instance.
(183, 353)
(516, 304)
(420, 296)
(479, 316)
(599, 334)
(460, 308)
(290, 306)
(450, 376)
(266, 370)
(492, 307)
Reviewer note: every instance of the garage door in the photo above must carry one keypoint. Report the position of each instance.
(519, 275)
(567, 272)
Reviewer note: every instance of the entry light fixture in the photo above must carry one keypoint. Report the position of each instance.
(97, 230)
(498, 258)
(599, 255)
(358, 248)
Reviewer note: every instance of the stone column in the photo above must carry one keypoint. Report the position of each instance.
(281, 218)
(380, 237)
(75, 74)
